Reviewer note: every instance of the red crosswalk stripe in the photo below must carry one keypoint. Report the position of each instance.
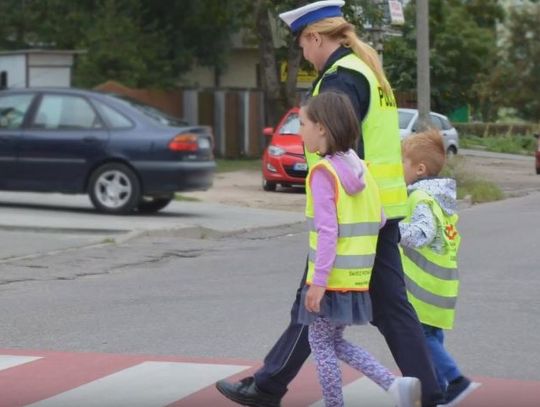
(51, 379)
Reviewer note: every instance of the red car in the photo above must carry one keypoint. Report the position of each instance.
(283, 160)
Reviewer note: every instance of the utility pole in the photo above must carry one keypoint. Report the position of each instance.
(422, 64)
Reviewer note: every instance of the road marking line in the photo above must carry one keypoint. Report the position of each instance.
(7, 361)
(363, 392)
(145, 385)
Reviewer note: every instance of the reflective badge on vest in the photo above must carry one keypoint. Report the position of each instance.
(452, 235)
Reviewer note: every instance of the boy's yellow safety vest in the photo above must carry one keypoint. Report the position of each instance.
(359, 220)
(380, 133)
(432, 278)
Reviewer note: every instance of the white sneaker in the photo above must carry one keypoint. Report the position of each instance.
(406, 392)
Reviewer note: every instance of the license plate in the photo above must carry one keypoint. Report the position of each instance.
(300, 167)
(204, 143)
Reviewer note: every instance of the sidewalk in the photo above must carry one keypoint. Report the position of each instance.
(42, 223)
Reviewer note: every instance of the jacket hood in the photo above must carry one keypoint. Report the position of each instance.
(350, 171)
(443, 190)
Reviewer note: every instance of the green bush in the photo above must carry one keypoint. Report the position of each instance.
(470, 185)
(497, 129)
(518, 144)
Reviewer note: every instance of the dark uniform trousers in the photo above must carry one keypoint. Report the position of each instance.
(392, 314)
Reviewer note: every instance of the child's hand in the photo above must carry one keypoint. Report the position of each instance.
(313, 298)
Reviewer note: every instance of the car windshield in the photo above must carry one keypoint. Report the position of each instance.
(291, 125)
(152, 112)
(405, 119)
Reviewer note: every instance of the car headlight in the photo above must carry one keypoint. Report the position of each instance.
(275, 151)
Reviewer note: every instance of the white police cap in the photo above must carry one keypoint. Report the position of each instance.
(301, 17)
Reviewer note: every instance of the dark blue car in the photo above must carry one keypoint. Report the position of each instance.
(125, 155)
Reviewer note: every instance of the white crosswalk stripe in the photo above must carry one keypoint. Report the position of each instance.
(146, 384)
(7, 361)
(363, 392)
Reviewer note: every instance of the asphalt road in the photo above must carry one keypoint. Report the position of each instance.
(164, 292)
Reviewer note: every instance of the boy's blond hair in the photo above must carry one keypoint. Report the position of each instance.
(425, 148)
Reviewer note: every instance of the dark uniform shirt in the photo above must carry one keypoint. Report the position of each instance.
(352, 83)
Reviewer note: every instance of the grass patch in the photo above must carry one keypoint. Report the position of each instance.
(224, 165)
(525, 145)
(468, 184)
(180, 197)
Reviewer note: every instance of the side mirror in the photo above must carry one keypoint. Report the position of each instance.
(268, 131)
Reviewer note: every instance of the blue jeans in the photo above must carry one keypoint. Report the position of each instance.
(445, 366)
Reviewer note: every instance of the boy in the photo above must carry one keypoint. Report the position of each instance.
(429, 243)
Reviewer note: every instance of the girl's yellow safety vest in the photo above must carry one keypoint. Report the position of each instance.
(432, 278)
(359, 220)
(380, 133)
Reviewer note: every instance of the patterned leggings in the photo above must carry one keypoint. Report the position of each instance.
(327, 344)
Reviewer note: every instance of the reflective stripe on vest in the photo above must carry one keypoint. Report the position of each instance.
(432, 278)
(352, 229)
(380, 133)
(359, 220)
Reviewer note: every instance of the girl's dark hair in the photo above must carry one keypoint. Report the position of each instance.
(334, 111)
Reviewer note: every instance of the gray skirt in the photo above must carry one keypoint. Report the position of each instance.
(342, 308)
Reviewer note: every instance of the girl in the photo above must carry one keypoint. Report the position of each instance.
(344, 212)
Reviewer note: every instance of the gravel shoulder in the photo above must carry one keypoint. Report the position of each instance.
(515, 175)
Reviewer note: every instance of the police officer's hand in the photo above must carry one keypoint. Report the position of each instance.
(313, 298)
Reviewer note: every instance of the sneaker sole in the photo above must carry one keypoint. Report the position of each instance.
(468, 390)
(417, 394)
(412, 397)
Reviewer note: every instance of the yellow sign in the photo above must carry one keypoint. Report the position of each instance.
(302, 76)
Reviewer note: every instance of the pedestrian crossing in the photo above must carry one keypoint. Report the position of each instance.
(64, 379)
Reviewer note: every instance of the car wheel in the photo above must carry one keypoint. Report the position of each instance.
(451, 151)
(114, 188)
(153, 204)
(537, 171)
(268, 186)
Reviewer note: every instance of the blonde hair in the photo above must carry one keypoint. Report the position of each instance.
(337, 28)
(425, 148)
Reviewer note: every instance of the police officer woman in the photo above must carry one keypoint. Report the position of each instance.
(347, 64)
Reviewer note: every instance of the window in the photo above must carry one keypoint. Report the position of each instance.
(152, 112)
(13, 109)
(445, 124)
(64, 112)
(436, 121)
(405, 119)
(291, 125)
(113, 118)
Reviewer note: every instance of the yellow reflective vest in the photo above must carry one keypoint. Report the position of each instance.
(359, 220)
(380, 133)
(432, 278)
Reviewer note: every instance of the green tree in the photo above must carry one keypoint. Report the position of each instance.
(137, 42)
(43, 23)
(120, 47)
(195, 30)
(522, 69)
(462, 52)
